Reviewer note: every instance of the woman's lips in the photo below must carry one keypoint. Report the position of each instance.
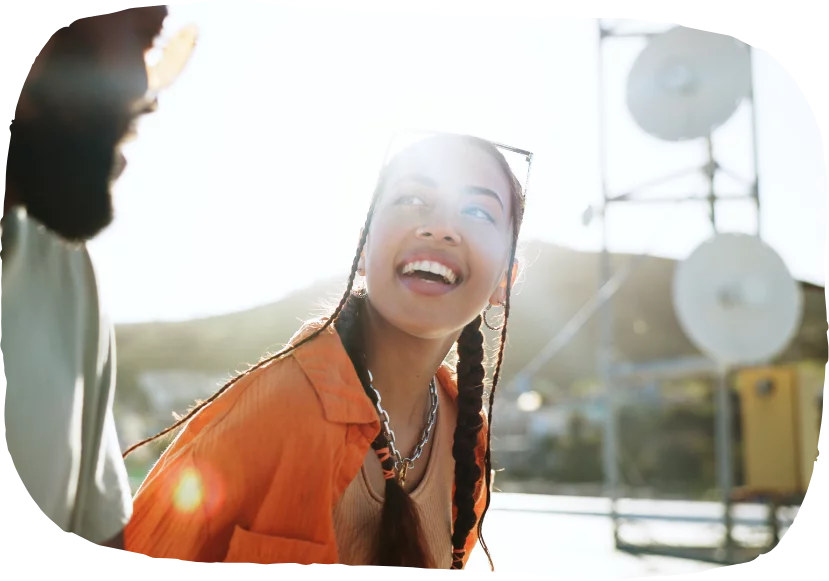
(426, 256)
(425, 287)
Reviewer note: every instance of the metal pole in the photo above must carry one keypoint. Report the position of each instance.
(725, 468)
(710, 173)
(752, 96)
(611, 465)
(605, 355)
(774, 526)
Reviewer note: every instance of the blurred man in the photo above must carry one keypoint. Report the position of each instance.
(81, 98)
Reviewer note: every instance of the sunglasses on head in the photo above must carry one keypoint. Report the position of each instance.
(519, 160)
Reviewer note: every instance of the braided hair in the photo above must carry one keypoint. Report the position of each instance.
(400, 542)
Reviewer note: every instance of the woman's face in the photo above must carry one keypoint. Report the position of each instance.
(440, 238)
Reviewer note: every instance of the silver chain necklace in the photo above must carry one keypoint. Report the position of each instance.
(403, 465)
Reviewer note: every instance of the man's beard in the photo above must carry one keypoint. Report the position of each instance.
(63, 175)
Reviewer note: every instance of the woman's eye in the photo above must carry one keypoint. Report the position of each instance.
(480, 213)
(410, 200)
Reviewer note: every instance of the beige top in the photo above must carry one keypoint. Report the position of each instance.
(59, 358)
(357, 514)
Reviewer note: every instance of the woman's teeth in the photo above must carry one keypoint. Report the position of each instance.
(428, 266)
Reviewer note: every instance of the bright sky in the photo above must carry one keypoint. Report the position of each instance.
(253, 177)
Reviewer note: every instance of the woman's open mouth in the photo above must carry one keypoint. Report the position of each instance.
(429, 277)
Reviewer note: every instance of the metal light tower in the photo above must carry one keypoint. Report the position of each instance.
(683, 86)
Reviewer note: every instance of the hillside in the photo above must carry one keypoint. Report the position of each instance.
(554, 287)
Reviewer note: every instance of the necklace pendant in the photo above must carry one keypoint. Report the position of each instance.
(405, 463)
(401, 474)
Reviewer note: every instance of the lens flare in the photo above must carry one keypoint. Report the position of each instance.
(189, 493)
(530, 401)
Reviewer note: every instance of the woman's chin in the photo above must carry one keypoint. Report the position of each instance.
(426, 318)
(426, 328)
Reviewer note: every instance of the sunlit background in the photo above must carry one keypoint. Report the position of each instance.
(253, 177)
(240, 209)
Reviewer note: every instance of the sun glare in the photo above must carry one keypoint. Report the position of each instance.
(189, 493)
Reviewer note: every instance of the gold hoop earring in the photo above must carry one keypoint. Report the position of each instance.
(490, 327)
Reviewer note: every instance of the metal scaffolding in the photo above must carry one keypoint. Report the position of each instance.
(606, 360)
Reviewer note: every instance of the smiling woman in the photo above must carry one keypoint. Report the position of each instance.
(295, 460)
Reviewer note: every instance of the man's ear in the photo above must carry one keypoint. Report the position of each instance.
(174, 58)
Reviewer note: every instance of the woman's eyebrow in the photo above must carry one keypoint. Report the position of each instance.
(428, 182)
(479, 191)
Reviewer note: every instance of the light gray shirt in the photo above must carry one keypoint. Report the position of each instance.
(59, 359)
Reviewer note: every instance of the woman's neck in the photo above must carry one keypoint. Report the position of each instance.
(401, 365)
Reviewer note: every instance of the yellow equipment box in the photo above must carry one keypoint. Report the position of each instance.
(780, 409)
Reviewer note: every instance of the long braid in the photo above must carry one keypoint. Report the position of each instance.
(496, 376)
(470, 374)
(337, 311)
(518, 201)
(400, 541)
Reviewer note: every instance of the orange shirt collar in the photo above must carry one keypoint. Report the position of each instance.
(331, 373)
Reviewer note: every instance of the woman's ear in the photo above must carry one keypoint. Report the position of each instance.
(499, 297)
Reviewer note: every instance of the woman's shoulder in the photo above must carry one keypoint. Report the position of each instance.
(275, 393)
(268, 418)
(279, 389)
(311, 392)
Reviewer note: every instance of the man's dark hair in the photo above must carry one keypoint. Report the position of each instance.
(79, 106)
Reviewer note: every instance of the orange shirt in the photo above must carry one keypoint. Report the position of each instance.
(254, 476)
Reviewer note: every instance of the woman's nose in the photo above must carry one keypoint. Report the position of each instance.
(443, 232)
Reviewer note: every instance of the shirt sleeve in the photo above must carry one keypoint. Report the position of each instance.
(104, 502)
(170, 520)
(248, 478)
(60, 359)
(191, 491)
